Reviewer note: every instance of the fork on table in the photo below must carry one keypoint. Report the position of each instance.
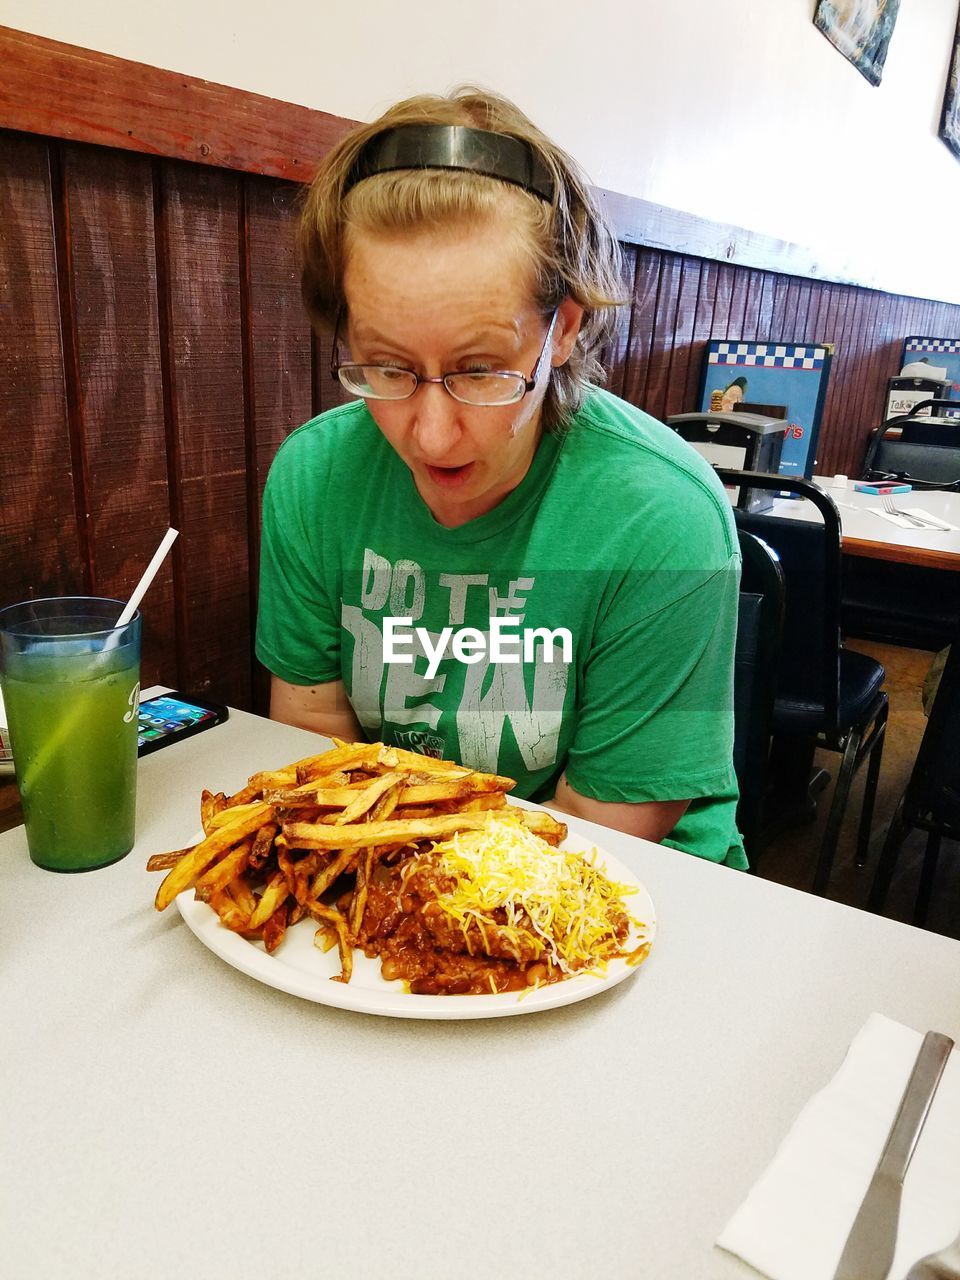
(892, 509)
(943, 1265)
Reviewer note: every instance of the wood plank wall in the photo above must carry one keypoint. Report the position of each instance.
(154, 353)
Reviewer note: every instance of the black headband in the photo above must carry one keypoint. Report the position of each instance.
(453, 146)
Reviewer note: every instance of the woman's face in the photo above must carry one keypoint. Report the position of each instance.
(441, 301)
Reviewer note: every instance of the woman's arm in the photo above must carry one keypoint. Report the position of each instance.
(651, 820)
(322, 708)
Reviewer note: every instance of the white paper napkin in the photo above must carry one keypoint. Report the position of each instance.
(903, 523)
(795, 1221)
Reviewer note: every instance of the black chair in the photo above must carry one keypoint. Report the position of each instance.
(927, 452)
(759, 628)
(826, 695)
(931, 801)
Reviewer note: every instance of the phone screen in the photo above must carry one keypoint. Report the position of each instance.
(166, 716)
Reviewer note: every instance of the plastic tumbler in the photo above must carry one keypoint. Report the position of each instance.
(71, 683)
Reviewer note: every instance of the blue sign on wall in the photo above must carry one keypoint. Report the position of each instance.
(773, 373)
(939, 352)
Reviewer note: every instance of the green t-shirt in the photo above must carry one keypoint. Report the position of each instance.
(619, 533)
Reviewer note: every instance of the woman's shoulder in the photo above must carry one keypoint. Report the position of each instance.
(607, 429)
(606, 418)
(645, 470)
(343, 435)
(337, 444)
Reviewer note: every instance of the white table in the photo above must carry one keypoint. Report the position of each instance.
(866, 532)
(164, 1115)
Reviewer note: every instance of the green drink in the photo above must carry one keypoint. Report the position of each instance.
(70, 683)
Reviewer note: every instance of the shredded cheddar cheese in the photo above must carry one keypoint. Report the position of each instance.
(560, 898)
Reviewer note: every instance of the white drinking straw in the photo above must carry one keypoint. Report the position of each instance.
(148, 576)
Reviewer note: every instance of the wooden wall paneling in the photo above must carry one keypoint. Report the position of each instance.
(819, 308)
(39, 541)
(831, 319)
(86, 96)
(878, 368)
(723, 296)
(207, 444)
(862, 356)
(791, 304)
(738, 303)
(793, 321)
(842, 426)
(681, 345)
(702, 326)
(829, 325)
(871, 380)
(278, 362)
(806, 312)
(928, 310)
(109, 202)
(802, 314)
(328, 393)
(767, 297)
(752, 306)
(280, 338)
(934, 318)
(778, 317)
(828, 305)
(948, 320)
(636, 365)
(661, 342)
(899, 320)
(614, 355)
(319, 368)
(865, 363)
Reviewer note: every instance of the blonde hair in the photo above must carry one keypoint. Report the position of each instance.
(571, 249)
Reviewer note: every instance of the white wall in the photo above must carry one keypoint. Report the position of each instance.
(736, 110)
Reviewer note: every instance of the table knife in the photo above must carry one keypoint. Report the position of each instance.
(868, 1253)
(933, 523)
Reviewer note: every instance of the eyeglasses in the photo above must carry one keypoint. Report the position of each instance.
(388, 382)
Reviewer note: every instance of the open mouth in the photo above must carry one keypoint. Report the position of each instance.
(449, 477)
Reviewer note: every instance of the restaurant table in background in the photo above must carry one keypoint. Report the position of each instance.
(900, 585)
(164, 1113)
(867, 532)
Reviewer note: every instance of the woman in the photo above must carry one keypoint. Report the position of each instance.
(485, 557)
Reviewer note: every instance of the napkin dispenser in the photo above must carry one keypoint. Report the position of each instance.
(903, 393)
(741, 441)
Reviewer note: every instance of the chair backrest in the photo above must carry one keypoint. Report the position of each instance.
(914, 460)
(927, 449)
(934, 787)
(810, 557)
(759, 630)
(944, 432)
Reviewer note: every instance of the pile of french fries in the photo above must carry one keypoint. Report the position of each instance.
(273, 851)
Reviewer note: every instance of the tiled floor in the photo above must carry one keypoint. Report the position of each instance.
(791, 858)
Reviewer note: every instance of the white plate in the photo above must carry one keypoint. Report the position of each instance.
(300, 968)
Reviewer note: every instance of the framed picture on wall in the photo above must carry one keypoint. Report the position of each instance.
(861, 30)
(793, 374)
(950, 117)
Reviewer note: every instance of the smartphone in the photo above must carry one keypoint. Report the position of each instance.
(172, 717)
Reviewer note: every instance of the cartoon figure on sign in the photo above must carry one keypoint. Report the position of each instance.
(733, 395)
